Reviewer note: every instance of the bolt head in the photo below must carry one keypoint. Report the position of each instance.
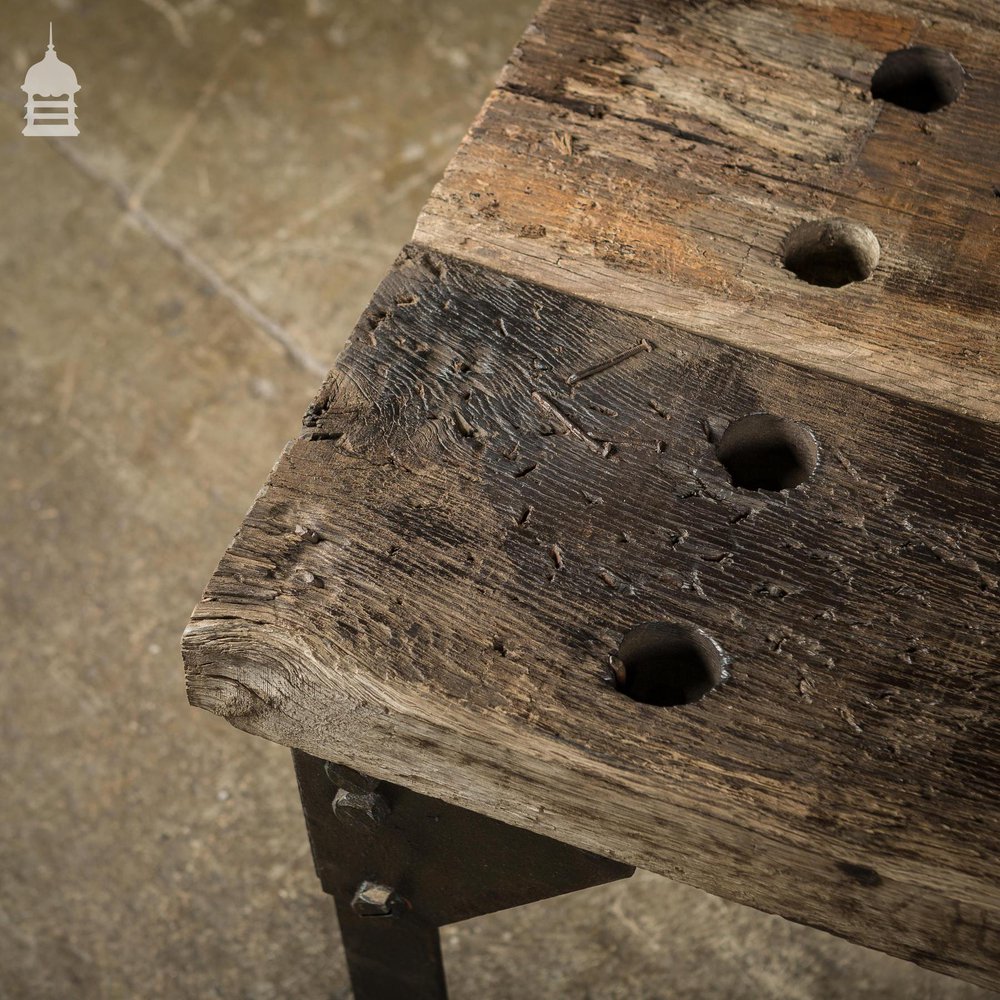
(372, 899)
(364, 809)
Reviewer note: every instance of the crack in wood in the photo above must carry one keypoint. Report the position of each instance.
(603, 366)
(602, 448)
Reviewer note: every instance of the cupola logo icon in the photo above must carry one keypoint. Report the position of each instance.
(50, 86)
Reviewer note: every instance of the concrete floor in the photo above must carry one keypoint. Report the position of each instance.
(173, 283)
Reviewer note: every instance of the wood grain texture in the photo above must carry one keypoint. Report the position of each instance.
(430, 585)
(654, 156)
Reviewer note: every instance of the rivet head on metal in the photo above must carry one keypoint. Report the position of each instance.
(367, 809)
(371, 899)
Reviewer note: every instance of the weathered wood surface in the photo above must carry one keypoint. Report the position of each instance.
(431, 584)
(654, 156)
(505, 473)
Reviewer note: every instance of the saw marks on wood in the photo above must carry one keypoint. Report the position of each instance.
(653, 503)
(656, 157)
(436, 583)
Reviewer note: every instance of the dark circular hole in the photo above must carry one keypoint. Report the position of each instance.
(831, 252)
(659, 663)
(921, 78)
(765, 452)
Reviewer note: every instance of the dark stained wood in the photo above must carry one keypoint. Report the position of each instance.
(431, 584)
(654, 155)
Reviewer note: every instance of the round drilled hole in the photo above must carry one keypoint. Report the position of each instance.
(659, 663)
(765, 452)
(921, 78)
(831, 252)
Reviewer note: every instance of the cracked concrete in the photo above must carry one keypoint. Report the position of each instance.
(172, 283)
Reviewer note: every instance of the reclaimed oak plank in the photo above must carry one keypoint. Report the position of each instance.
(656, 156)
(590, 396)
(499, 480)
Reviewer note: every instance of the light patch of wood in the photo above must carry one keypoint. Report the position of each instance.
(691, 142)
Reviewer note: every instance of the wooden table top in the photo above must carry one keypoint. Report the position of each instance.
(602, 388)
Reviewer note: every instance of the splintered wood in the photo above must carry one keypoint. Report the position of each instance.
(589, 397)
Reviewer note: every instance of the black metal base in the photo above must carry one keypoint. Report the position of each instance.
(400, 865)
